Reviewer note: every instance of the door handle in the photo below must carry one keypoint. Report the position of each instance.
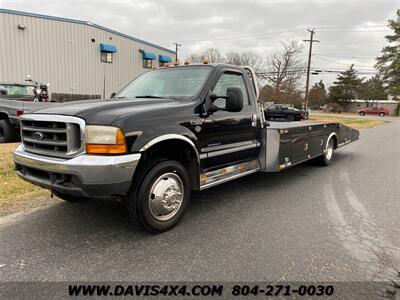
(254, 120)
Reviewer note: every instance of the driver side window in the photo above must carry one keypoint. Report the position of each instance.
(226, 81)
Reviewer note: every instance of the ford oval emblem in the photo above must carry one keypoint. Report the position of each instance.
(38, 136)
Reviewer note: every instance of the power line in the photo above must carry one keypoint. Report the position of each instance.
(345, 27)
(340, 63)
(340, 56)
(268, 35)
(243, 37)
(354, 30)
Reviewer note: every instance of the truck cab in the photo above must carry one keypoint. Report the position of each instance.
(168, 132)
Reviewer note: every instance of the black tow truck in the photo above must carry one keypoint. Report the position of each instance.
(168, 132)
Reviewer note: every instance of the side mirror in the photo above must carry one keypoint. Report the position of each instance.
(113, 94)
(234, 99)
(28, 78)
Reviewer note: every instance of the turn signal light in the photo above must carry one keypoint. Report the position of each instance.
(105, 149)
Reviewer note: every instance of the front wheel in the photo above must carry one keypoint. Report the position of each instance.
(290, 118)
(7, 132)
(362, 113)
(382, 114)
(160, 200)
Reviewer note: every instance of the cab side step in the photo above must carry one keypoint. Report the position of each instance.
(219, 176)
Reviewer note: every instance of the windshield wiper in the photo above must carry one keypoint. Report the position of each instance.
(149, 96)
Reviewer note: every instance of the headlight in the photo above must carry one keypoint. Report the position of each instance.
(105, 140)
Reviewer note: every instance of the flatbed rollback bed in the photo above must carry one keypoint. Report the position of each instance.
(285, 144)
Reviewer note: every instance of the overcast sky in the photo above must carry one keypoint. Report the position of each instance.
(350, 31)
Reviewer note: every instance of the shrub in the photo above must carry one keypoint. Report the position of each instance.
(397, 111)
(334, 107)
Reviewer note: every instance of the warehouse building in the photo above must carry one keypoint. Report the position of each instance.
(79, 59)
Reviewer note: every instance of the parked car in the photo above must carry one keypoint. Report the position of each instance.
(373, 111)
(284, 111)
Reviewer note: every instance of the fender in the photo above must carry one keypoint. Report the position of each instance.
(171, 136)
(329, 138)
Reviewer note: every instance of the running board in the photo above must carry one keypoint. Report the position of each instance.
(219, 176)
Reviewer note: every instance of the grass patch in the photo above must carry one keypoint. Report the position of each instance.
(356, 123)
(15, 193)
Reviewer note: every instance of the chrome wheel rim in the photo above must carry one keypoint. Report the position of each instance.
(166, 196)
(329, 150)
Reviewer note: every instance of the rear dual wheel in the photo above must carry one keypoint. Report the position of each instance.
(326, 158)
(158, 202)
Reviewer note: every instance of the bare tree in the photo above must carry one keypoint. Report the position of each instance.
(211, 54)
(246, 58)
(285, 68)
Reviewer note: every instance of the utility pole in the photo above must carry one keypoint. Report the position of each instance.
(311, 41)
(177, 45)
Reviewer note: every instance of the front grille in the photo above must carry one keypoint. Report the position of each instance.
(54, 138)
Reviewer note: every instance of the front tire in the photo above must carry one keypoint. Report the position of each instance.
(381, 114)
(159, 201)
(7, 132)
(290, 118)
(362, 113)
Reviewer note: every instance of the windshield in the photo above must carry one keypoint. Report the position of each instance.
(167, 83)
(16, 90)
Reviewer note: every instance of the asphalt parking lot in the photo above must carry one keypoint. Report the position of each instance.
(308, 223)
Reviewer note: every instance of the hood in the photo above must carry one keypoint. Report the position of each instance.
(107, 110)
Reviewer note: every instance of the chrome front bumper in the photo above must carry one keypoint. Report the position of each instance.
(84, 175)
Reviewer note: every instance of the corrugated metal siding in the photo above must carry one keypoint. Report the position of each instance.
(63, 54)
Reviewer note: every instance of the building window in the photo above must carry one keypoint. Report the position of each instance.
(107, 52)
(106, 57)
(148, 59)
(163, 60)
(147, 63)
